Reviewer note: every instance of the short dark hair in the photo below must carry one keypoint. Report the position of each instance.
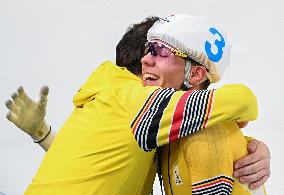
(130, 48)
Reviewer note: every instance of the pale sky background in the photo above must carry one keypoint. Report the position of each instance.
(60, 42)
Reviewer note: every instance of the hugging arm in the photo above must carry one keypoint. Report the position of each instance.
(168, 114)
(254, 169)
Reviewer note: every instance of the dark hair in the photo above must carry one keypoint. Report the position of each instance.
(130, 48)
(205, 84)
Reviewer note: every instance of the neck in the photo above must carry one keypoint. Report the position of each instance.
(197, 87)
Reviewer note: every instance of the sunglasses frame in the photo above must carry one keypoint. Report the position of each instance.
(173, 51)
(150, 47)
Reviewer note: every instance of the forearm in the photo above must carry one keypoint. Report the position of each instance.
(46, 143)
(176, 114)
(233, 102)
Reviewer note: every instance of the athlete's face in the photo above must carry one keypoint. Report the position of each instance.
(162, 68)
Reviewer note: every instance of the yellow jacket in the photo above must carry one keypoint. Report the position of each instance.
(203, 162)
(95, 152)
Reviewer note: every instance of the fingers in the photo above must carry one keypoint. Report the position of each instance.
(43, 96)
(13, 109)
(16, 99)
(247, 170)
(259, 182)
(22, 94)
(254, 177)
(11, 118)
(260, 152)
(44, 91)
(253, 168)
(251, 177)
(247, 160)
(252, 145)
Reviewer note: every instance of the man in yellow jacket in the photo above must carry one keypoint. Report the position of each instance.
(94, 152)
(201, 163)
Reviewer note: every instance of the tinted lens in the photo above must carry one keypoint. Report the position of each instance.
(147, 48)
(157, 49)
(162, 50)
(150, 47)
(153, 49)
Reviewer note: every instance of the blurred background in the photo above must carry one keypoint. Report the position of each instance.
(60, 42)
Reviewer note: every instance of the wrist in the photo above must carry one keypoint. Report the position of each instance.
(42, 133)
(38, 141)
(46, 142)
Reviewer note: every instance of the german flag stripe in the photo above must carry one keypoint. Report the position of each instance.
(217, 185)
(214, 190)
(155, 123)
(143, 109)
(195, 112)
(213, 179)
(178, 117)
(181, 113)
(142, 125)
(209, 108)
(150, 116)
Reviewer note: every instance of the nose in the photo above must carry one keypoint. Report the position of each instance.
(148, 60)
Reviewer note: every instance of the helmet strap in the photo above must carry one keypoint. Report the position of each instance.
(187, 74)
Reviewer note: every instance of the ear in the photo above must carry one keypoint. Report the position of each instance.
(197, 74)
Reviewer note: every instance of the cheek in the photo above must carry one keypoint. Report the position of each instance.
(177, 78)
(175, 70)
(173, 75)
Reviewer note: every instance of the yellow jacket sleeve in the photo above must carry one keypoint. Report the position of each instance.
(168, 114)
(233, 102)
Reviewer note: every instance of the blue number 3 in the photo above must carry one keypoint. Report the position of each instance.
(215, 57)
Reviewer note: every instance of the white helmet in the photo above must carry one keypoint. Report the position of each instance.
(201, 40)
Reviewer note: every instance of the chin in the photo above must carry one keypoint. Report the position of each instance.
(151, 83)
